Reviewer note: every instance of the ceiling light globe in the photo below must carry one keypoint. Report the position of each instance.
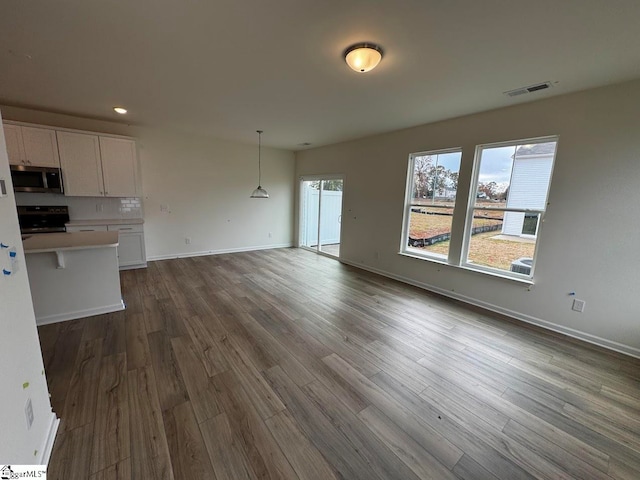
(363, 57)
(120, 110)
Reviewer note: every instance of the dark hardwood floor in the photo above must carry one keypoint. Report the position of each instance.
(284, 364)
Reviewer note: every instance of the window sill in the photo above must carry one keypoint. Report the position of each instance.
(524, 281)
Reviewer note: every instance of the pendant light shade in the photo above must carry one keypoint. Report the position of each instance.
(363, 57)
(259, 192)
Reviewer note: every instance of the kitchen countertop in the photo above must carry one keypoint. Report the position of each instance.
(111, 221)
(55, 242)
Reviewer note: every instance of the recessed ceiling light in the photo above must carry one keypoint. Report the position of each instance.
(363, 57)
(120, 110)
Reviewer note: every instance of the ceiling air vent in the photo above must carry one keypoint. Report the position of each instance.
(529, 89)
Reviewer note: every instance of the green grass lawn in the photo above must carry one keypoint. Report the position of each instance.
(484, 248)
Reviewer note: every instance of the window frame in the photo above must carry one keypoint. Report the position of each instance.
(471, 208)
(408, 204)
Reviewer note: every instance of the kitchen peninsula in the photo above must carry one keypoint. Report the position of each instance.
(73, 275)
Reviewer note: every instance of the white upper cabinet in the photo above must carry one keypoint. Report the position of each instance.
(81, 165)
(97, 166)
(31, 146)
(40, 147)
(93, 165)
(15, 145)
(119, 167)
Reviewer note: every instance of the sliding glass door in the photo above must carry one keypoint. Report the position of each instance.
(321, 214)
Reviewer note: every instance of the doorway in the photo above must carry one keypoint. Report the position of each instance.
(321, 214)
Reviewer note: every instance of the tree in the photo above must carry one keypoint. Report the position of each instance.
(328, 185)
(333, 185)
(428, 178)
(488, 189)
(421, 168)
(453, 180)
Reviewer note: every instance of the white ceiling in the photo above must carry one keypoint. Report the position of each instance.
(227, 68)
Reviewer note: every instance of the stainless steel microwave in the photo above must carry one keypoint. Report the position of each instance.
(36, 179)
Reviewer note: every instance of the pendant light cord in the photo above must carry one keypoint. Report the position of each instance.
(259, 158)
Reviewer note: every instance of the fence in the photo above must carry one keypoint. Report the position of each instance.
(330, 217)
(425, 242)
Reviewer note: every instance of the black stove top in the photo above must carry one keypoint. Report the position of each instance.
(43, 219)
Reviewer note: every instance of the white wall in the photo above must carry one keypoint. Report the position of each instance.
(205, 183)
(206, 186)
(20, 357)
(589, 240)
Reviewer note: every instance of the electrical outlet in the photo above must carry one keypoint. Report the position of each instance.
(578, 305)
(99, 207)
(187, 240)
(164, 208)
(28, 412)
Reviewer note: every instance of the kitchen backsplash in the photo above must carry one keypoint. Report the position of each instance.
(87, 208)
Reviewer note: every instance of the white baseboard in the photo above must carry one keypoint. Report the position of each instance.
(47, 445)
(133, 267)
(217, 252)
(570, 332)
(62, 317)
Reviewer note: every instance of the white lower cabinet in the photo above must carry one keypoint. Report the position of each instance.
(131, 251)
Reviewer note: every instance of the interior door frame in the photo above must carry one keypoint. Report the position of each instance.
(312, 178)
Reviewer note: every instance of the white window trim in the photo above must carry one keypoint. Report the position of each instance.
(409, 183)
(460, 262)
(471, 207)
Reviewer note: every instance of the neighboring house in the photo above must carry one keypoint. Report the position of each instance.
(530, 176)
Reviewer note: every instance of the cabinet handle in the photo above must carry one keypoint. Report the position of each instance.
(128, 228)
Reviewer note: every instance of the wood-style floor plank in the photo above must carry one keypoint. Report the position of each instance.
(72, 454)
(283, 364)
(118, 471)
(149, 451)
(249, 431)
(80, 403)
(171, 389)
(111, 430)
(199, 387)
(229, 461)
(186, 446)
(306, 460)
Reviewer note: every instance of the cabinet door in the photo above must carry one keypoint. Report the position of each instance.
(119, 167)
(15, 145)
(131, 250)
(40, 147)
(80, 163)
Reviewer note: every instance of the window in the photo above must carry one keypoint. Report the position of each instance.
(510, 196)
(430, 201)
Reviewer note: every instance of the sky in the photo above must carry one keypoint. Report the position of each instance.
(495, 165)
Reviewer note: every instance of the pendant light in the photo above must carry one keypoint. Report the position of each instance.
(259, 192)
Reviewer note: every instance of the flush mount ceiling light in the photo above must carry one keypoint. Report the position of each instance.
(120, 110)
(259, 192)
(363, 57)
